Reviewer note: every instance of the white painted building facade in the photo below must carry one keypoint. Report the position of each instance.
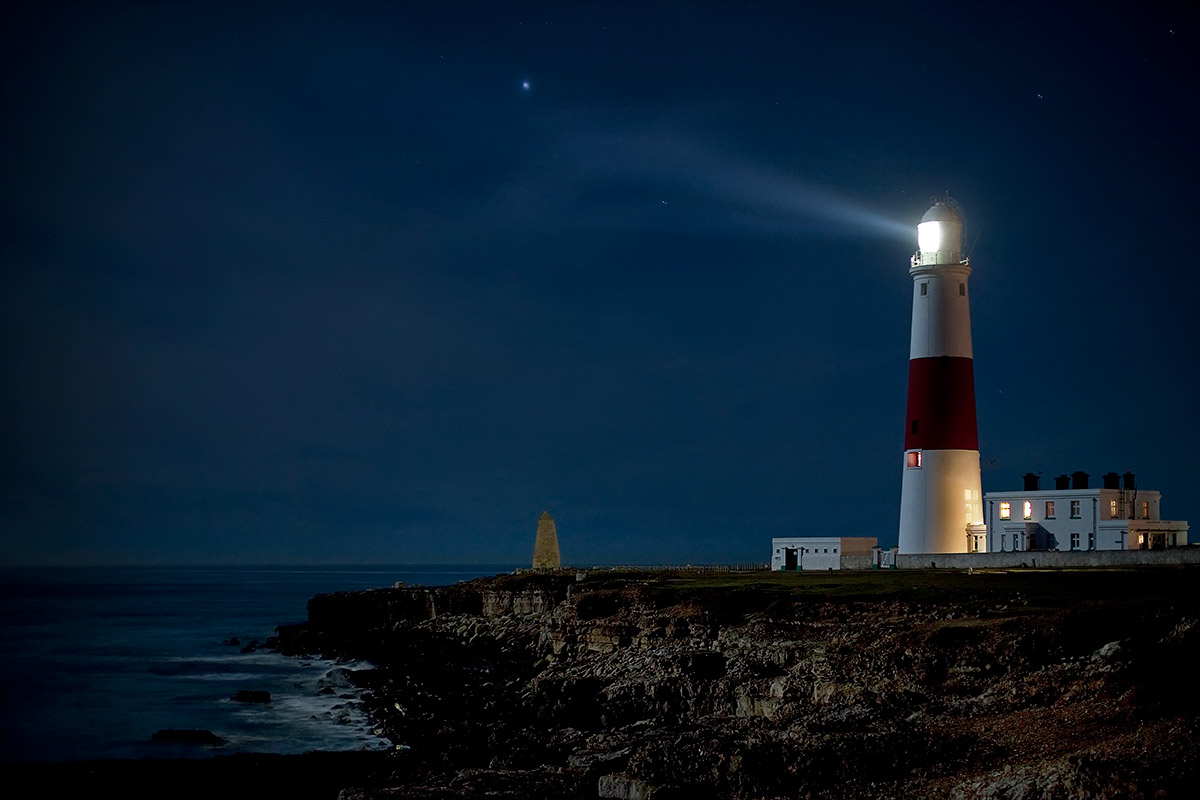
(794, 553)
(1075, 517)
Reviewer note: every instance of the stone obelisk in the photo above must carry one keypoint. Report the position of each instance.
(545, 546)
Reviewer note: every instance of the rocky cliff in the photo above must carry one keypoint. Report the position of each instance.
(935, 684)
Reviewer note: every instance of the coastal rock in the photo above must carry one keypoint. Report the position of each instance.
(252, 696)
(623, 787)
(767, 686)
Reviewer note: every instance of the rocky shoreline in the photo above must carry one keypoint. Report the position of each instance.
(1031, 684)
(1026, 685)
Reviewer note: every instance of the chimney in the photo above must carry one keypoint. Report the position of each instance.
(1031, 482)
(1130, 483)
(1079, 480)
(1062, 482)
(1112, 480)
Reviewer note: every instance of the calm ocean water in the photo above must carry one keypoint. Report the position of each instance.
(93, 661)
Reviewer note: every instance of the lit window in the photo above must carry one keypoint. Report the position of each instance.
(1074, 509)
(913, 459)
(1028, 509)
(1074, 541)
(1049, 509)
(1006, 510)
(1145, 509)
(1112, 509)
(1141, 540)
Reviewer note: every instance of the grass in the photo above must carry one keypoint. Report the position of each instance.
(1037, 587)
(730, 596)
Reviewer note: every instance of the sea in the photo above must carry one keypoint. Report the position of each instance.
(95, 660)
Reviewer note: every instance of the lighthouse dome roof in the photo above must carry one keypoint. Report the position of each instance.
(944, 209)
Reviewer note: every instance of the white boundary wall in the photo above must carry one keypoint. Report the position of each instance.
(1032, 559)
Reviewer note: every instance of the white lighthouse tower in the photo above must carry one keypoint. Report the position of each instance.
(941, 510)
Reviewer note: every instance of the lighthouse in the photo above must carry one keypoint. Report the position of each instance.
(941, 510)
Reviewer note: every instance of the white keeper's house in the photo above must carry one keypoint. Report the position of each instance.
(1072, 516)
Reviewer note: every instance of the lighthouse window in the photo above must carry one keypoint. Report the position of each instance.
(962, 289)
(1006, 511)
(913, 460)
(924, 289)
(914, 426)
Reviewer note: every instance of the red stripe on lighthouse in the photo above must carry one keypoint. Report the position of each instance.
(941, 404)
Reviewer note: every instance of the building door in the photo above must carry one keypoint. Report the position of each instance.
(789, 559)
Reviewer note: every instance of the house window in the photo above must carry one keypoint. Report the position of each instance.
(1003, 541)
(1074, 541)
(924, 289)
(1112, 509)
(1049, 509)
(1006, 510)
(1141, 540)
(1074, 509)
(1027, 509)
(1091, 541)
(1145, 509)
(913, 459)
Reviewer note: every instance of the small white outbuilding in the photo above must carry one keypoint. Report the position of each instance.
(793, 553)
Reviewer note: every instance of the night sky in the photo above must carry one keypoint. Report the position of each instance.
(354, 283)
